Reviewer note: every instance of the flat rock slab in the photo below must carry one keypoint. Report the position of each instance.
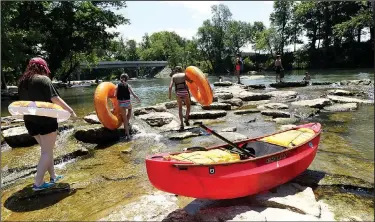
(249, 96)
(287, 127)
(153, 207)
(343, 99)
(19, 136)
(100, 135)
(158, 119)
(207, 114)
(293, 196)
(229, 129)
(355, 82)
(217, 106)
(313, 103)
(288, 84)
(286, 120)
(304, 112)
(224, 95)
(93, 119)
(232, 136)
(273, 106)
(11, 119)
(321, 83)
(149, 109)
(225, 83)
(246, 111)
(283, 94)
(276, 113)
(257, 86)
(346, 107)
(340, 92)
(233, 102)
(182, 135)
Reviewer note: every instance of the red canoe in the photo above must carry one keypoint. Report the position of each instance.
(273, 165)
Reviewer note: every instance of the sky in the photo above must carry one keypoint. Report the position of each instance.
(185, 17)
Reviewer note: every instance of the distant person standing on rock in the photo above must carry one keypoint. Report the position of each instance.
(238, 67)
(279, 68)
(179, 79)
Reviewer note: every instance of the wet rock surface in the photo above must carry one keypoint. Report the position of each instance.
(100, 134)
(273, 106)
(313, 103)
(207, 114)
(217, 106)
(283, 94)
(341, 107)
(275, 113)
(246, 111)
(343, 99)
(225, 83)
(233, 102)
(249, 96)
(93, 119)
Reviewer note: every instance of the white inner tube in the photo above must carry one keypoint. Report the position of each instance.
(18, 111)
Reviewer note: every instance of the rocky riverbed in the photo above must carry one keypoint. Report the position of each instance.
(106, 179)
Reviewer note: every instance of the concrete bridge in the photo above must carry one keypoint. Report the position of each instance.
(159, 65)
(124, 64)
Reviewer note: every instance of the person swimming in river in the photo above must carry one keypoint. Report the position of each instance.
(182, 92)
(279, 68)
(122, 93)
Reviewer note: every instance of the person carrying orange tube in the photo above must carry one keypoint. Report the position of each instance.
(122, 93)
(182, 93)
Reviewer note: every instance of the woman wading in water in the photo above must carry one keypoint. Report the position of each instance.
(35, 85)
(182, 93)
(122, 93)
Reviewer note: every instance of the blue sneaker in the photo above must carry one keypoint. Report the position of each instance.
(58, 177)
(42, 187)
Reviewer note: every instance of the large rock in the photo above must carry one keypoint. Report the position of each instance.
(232, 136)
(93, 119)
(11, 119)
(217, 106)
(288, 84)
(343, 99)
(224, 95)
(153, 207)
(283, 94)
(233, 102)
(286, 197)
(207, 114)
(182, 135)
(249, 96)
(246, 111)
(225, 83)
(313, 103)
(290, 120)
(341, 107)
(100, 135)
(229, 129)
(170, 105)
(287, 127)
(355, 82)
(158, 119)
(257, 86)
(149, 109)
(340, 92)
(275, 113)
(304, 112)
(321, 83)
(273, 106)
(19, 136)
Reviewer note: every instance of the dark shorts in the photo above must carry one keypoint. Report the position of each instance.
(35, 129)
(278, 69)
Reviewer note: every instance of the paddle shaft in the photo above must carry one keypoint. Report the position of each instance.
(225, 140)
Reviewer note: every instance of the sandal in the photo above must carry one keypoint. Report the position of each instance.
(187, 123)
(181, 128)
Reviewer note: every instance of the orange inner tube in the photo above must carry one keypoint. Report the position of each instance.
(200, 87)
(104, 91)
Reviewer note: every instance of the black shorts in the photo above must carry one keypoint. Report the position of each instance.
(278, 69)
(35, 129)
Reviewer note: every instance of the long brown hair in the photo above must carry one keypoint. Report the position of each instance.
(35, 66)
